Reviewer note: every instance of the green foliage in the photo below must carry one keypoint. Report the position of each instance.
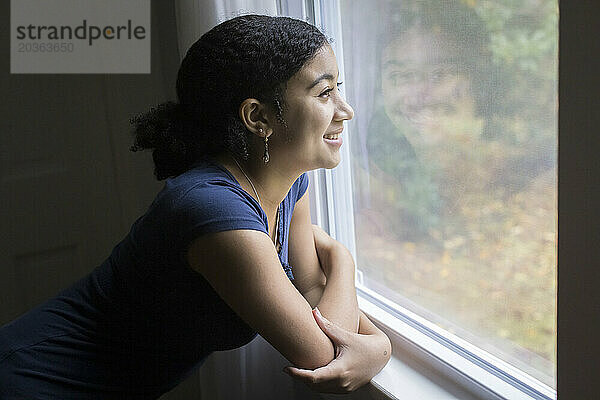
(523, 46)
(523, 34)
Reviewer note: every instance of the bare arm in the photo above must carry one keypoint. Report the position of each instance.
(362, 349)
(338, 297)
(244, 269)
(360, 357)
(323, 269)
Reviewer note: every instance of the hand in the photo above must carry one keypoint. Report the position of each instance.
(323, 242)
(325, 246)
(358, 359)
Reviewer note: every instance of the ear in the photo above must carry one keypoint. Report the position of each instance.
(255, 116)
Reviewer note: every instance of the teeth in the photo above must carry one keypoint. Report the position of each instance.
(332, 137)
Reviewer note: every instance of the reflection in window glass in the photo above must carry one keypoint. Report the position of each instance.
(454, 165)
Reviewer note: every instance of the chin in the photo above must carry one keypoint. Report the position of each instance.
(332, 163)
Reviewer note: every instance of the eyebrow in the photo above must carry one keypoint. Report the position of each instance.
(319, 79)
(451, 61)
(393, 63)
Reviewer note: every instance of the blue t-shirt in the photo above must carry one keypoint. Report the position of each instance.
(143, 320)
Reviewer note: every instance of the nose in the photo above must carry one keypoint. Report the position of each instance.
(343, 110)
(418, 94)
(424, 92)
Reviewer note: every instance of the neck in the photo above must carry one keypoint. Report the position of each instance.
(272, 180)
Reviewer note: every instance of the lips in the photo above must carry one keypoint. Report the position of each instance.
(333, 135)
(334, 142)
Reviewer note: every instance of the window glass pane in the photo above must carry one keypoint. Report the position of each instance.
(454, 165)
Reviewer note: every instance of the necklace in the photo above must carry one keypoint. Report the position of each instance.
(258, 197)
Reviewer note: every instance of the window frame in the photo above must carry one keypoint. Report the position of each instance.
(457, 365)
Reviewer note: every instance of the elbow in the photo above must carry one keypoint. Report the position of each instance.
(321, 355)
(314, 294)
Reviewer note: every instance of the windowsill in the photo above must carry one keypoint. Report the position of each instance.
(401, 381)
(405, 378)
(422, 368)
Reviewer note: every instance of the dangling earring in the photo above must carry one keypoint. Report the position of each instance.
(266, 155)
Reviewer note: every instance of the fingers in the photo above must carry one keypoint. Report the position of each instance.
(336, 334)
(327, 379)
(319, 233)
(319, 230)
(322, 240)
(324, 378)
(312, 376)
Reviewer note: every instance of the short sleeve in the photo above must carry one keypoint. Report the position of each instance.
(215, 207)
(302, 186)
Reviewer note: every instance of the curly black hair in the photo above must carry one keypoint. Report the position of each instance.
(250, 56)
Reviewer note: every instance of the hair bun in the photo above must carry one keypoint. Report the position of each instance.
(160, 129)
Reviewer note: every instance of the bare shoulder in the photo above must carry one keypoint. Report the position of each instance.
(239, 246)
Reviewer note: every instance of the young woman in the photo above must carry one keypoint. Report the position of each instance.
(227, 248)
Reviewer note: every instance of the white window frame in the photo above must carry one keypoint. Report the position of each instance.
(457, 367)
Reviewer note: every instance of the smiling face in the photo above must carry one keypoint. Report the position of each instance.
(315, 109)
(420, 79)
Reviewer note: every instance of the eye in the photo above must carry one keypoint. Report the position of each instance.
(437, 75)
(402, 77)
(326, 92)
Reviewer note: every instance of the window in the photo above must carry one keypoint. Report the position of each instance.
(451, 158)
